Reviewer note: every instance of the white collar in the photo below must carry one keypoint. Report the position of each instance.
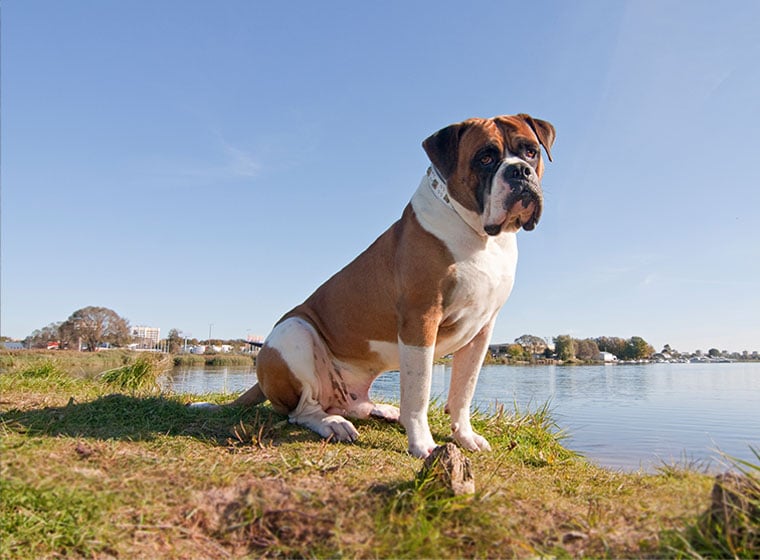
(438, 186)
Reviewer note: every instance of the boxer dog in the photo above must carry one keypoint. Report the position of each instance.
(431, 285)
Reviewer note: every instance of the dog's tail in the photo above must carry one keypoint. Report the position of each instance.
(251, 397)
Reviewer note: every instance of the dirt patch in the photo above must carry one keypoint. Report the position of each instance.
(257, 515)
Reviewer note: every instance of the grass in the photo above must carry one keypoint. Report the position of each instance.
(73, 363)
(86, 472)
(213, 360)
(140, 374)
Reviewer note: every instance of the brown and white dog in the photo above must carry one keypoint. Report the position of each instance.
(431, 285)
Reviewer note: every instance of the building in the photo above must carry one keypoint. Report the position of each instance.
(146, 337)
(606, 357)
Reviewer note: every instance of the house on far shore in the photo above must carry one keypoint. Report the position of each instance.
(606, 357)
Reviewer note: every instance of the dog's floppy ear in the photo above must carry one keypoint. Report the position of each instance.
(443, 148)
(544, 130)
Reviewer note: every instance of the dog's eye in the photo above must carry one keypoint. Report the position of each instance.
(530, 153)
(486, 160)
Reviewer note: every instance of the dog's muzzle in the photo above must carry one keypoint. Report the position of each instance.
(525, 200)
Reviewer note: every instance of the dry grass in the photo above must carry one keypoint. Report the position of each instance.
(87, 473)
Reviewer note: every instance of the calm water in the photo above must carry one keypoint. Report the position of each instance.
(624, 416)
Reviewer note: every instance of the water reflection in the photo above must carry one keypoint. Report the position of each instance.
(198, 380)
(620, 416)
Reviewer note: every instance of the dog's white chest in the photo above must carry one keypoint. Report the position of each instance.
(484, 280)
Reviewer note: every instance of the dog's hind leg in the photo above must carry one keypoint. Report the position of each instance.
(295, 374)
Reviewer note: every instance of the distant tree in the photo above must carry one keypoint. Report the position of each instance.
(42, 337)
(612, 344)
(175, 340)
(564, 346)
(586, 350)
(516, 352)
(713, 352)
(95, 326)
(637, 349)
(532, 343)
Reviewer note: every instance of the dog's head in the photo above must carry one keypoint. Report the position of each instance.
(493, 168)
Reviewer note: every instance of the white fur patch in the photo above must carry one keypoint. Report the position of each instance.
(387, 352)
(494, 211)
(416, 374)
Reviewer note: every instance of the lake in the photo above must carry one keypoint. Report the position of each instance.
(619, 416)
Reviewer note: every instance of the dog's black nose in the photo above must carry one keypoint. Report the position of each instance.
(520, 171)
(493, 229)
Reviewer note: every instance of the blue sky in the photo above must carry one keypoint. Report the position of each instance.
(191, 163)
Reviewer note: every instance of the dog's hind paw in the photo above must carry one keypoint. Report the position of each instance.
(331, 426)
(339, 428)
(385, 412)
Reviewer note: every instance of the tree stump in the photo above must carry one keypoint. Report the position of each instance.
(735, 508)
(450, 469)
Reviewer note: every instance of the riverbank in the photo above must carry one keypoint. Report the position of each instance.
(89, 472)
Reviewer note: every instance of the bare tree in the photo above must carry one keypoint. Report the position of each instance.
(175, 340)
(532, 343)
(586, 349)
(94, 326)
(42, 337)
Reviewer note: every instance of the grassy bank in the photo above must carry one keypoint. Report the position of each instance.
(73, 363)
(86, 471)
(213, 360)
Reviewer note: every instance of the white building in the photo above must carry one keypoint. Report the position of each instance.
(146, 337)
(606, 357)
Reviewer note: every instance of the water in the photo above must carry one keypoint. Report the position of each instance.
(620, 416)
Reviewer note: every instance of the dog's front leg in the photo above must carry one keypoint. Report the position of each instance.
(464, 376)
(416, 372)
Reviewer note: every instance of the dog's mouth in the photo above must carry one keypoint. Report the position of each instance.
(526, 209)
(523, 206)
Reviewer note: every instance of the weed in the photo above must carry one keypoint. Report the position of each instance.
(43, 370)
(139, 375)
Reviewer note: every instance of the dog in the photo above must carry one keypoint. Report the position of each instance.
(431, 285)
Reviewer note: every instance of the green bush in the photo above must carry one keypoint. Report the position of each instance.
(139, 375)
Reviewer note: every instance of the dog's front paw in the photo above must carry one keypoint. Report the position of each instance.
(471, 441)
(421, 449)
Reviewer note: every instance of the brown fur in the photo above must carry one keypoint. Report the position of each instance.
(278, 384)
(386, 305)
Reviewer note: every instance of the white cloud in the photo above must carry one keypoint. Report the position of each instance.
(239, 163)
